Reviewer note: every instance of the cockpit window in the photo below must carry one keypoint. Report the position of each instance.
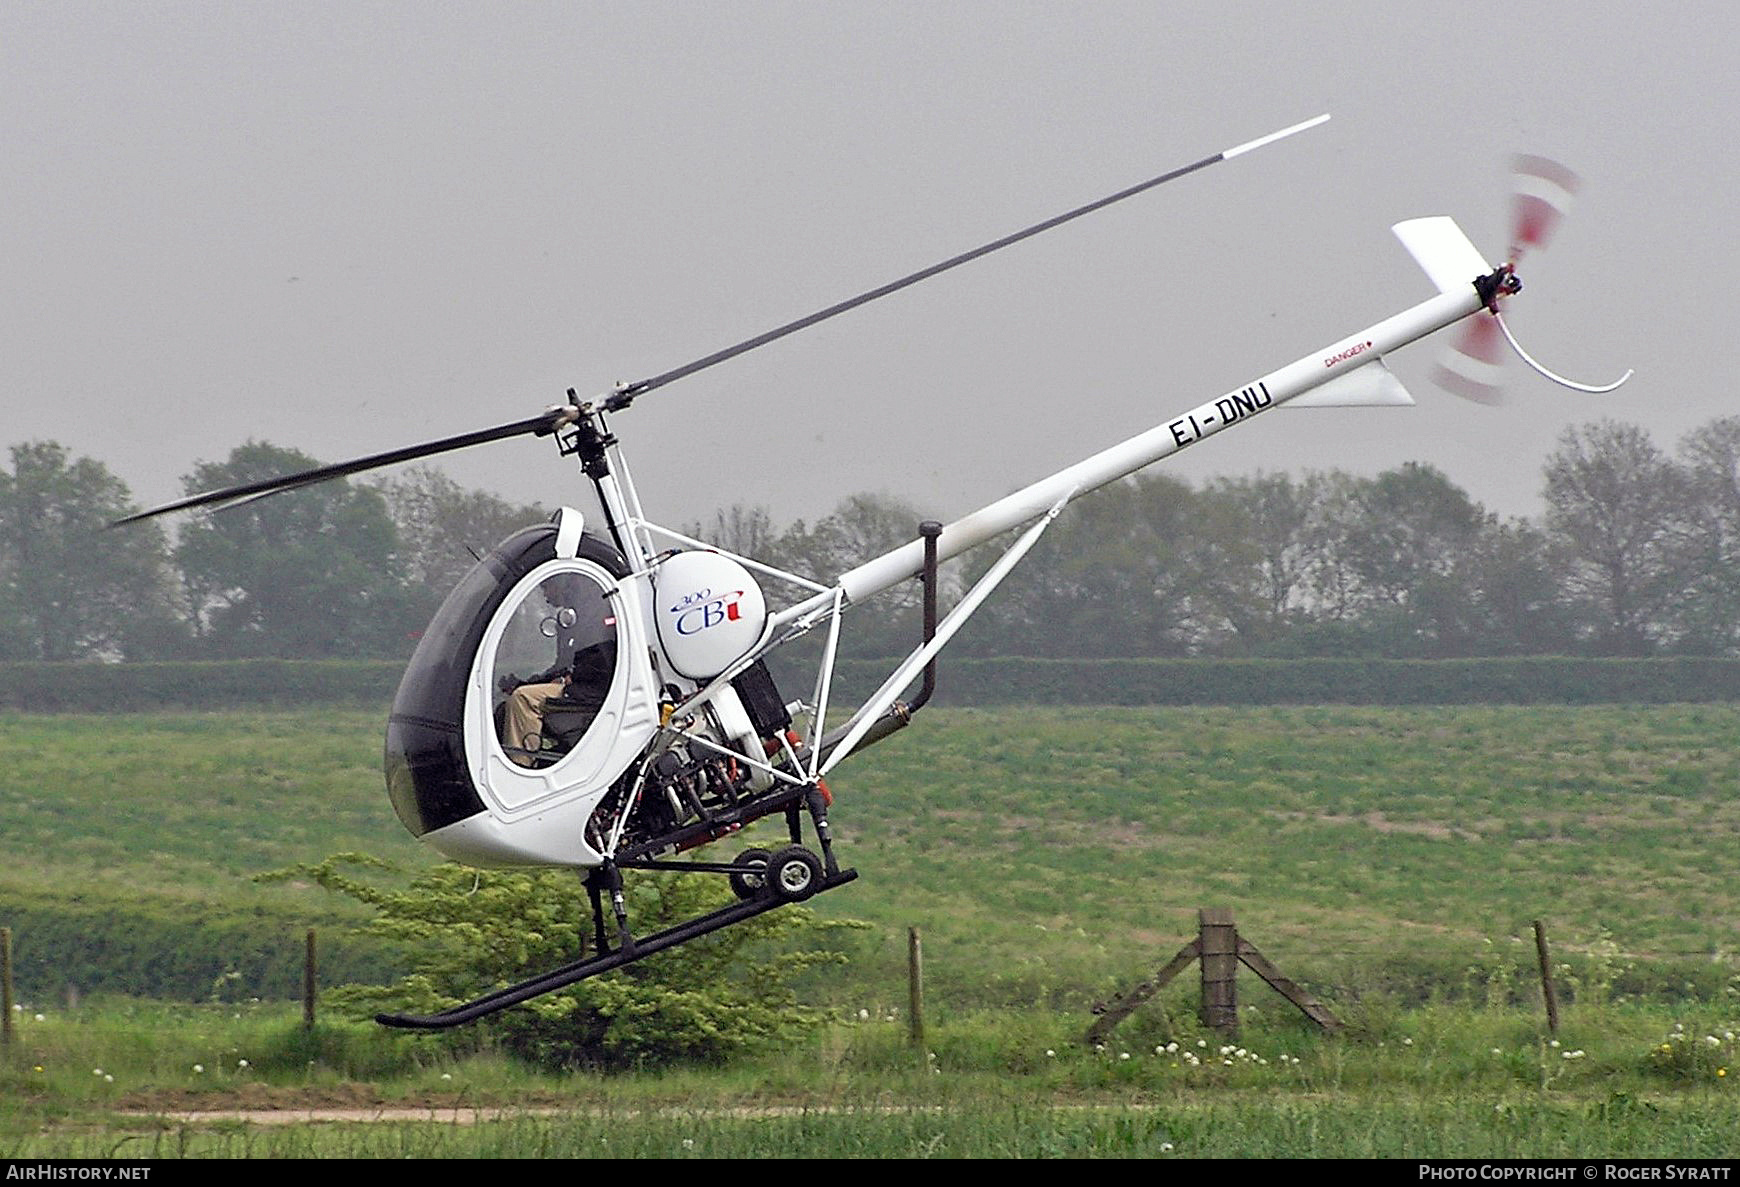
(553, 668)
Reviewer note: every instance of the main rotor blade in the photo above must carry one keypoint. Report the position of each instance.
(625, 395)
(540, 426)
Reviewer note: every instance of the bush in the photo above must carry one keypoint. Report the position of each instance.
(1702, 1054)
(473, 930)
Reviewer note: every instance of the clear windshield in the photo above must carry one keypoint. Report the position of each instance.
(553, 667)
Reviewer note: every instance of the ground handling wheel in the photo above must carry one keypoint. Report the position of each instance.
(794, 874)
(746, 885)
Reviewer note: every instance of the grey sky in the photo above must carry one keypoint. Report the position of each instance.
(347, 227)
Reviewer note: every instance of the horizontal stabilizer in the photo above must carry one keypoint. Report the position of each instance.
(1371, 385)
(1439, 246)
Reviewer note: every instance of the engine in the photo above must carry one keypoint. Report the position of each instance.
(707, 779)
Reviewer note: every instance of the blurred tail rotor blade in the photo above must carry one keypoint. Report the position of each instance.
(1472, 367)
(1543, 190)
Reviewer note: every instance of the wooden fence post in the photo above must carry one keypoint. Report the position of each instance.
(1219, 939)
(6, 999)
(1547, 992)
(915, 987)
(1221, 950)
(308, 981)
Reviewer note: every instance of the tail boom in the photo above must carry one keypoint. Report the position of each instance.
(1235, 407)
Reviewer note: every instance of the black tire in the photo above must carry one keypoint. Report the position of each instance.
(794, 874)
(748, 886)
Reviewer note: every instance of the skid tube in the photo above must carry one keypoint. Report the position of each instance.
(568, 974)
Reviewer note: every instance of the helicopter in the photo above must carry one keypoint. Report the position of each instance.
(596, 696)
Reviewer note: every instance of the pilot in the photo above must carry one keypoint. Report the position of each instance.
(585, 681)
(585, 663)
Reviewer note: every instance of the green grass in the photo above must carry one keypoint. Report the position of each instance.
(1229, 1128)
(132, 1080)
(1392, 859)
(1047, 855)
(1345, 839)
(193, 802)
(142, 835)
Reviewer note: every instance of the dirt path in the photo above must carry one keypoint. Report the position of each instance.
(475, 1114)
(446, 1114)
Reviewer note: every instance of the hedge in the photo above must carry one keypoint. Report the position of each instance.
(145, 948)
(1538, 680)
(1535, 680)
(143, 687)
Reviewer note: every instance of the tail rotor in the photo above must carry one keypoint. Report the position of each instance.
(1472, 366)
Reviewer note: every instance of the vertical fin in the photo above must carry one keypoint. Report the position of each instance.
(1443, 251)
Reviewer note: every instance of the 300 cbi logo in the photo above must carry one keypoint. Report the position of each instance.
(704, 608)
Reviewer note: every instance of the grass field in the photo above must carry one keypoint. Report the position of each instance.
(154, 1081)
(1393, 859)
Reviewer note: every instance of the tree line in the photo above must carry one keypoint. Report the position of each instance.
(340, 569)
(1634, 554)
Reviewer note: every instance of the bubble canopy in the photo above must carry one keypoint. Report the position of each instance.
(510, 625)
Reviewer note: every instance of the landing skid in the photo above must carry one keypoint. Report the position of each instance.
(625, 954)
